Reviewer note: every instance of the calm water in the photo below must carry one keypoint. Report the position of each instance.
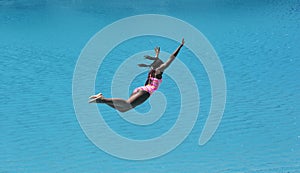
(257, 43)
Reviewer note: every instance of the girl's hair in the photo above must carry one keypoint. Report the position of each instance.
(150, 74)
(154, 65)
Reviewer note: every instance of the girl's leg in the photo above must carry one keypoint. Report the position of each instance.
(116, 103)
(125, 105)
(140, 97)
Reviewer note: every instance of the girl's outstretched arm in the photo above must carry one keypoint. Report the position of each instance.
(171, 59)
(157, 51)
(149, 57)
(144, 65)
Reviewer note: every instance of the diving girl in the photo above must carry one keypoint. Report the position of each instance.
(140, 94)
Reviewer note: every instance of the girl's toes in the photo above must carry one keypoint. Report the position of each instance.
(95, 96)
(92, 97)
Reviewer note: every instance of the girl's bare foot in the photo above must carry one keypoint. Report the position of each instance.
(95, 97)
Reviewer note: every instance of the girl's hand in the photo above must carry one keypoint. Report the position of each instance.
(143, 65)
(157, 50)
(182, 41)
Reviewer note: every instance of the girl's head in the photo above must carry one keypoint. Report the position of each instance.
(158, 62)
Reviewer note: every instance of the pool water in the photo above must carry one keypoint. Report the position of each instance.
(257, 43)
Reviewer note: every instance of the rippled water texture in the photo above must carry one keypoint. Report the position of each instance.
(256, 41)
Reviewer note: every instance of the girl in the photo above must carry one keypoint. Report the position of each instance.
(140, 94)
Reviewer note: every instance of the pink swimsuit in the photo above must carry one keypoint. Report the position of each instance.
(150, 88)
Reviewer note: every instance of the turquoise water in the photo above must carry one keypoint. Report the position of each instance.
(256, 41)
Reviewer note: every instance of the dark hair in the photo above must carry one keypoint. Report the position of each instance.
(156, 63)
(150, 74)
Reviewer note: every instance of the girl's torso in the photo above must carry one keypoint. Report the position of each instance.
(152, 83)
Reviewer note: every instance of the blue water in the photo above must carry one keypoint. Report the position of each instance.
(256, 41)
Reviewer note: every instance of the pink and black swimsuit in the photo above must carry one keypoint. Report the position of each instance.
(152, 83)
